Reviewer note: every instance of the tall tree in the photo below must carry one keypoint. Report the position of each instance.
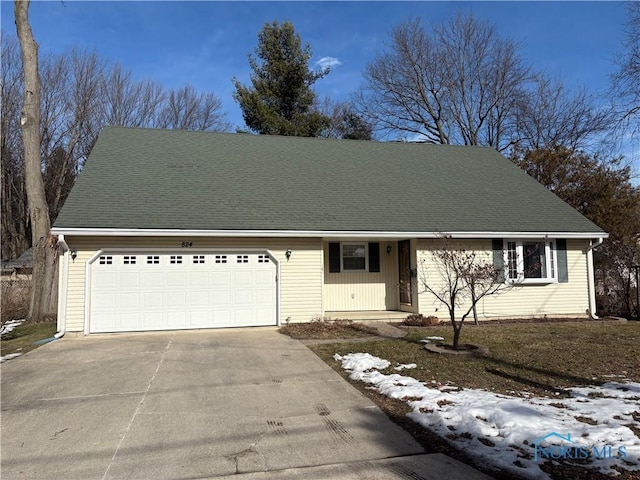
(280, 100)
(458, 82)
(43, 292)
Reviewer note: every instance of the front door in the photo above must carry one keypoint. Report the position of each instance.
(404, 265)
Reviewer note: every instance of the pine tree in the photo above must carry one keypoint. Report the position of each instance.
(281, 101)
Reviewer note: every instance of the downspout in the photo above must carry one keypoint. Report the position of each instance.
(591, 278)
(63, 268)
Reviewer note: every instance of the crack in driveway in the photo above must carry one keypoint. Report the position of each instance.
(135, 414)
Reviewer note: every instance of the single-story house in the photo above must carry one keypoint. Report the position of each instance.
(169, 229)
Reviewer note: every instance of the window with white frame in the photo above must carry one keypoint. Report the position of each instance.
(531, 261)
(354, 257)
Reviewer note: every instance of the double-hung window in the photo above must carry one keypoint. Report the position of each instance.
(354, 257)
(531, 261)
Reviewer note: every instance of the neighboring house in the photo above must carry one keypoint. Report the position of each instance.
(18, 269)
(174, 230)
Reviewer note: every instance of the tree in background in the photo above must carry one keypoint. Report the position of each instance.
(600, 189)
(459, 82)
(344, 122)
(280, 100)
(626, 81)
(45, 247)
(548, 114)
(455, 83)
(80, 93)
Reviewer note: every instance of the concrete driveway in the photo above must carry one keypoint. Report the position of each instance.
(196, 404)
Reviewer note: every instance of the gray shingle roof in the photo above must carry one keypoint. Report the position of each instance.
(169, 179)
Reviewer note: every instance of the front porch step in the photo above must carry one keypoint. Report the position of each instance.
(369, 315)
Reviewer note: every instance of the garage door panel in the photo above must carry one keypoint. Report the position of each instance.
(152, 279)
(199, 298)
(199, 279)
(129, 280)
(139, 291)
(129, 301)
(176, 279)
(105, 279)
(152, 300)
(177, 300)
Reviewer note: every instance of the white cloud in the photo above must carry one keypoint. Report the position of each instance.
(330, 62)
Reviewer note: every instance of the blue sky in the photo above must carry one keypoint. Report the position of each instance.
(206, 43)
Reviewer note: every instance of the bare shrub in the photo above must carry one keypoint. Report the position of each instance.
(15, 299)
(419, 320)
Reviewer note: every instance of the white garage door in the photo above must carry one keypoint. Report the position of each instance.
(171, 291)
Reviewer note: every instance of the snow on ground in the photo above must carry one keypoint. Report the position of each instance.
(504, 429)
(9, 357)
(10, 325)
(6, 328)
(402, 366)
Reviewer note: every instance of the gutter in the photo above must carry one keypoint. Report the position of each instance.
(591, 278)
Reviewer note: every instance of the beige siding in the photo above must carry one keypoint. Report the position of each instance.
(300, 276)
(353, 291)
(569, 299)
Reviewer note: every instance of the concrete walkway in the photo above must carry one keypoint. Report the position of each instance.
(247, 403)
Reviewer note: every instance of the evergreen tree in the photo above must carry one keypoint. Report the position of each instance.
(280, 100)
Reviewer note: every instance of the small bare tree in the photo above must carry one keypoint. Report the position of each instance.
(464, 278)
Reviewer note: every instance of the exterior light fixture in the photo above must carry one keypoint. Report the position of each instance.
(74, 254)
(388, 248)
(288, 254)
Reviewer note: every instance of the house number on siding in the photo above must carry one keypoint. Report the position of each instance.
(187, 244)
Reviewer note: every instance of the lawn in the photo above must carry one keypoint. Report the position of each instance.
(527, 362)
(22, 339)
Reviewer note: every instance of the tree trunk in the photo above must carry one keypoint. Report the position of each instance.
(456, 336)
(44, 246)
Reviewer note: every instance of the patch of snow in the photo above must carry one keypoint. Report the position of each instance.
(402, 366)
(10, 325)
(432, 340)
(9, 357)
(509, 425)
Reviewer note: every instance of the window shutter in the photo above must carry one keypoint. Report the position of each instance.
(334, 257)
(374, 257)
(497, 245)
(563, 270)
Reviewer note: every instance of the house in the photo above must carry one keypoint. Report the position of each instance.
(19, 269)
(175, 230)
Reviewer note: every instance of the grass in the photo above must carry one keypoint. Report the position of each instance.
(525, 358)
(22, 338)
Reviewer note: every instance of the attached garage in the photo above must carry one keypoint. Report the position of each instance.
(174, 290)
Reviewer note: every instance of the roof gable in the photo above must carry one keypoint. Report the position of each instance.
(171, 179)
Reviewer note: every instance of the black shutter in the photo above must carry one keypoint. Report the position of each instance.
(563, 270)
(374, 257)
(497, 245)
(334, 257)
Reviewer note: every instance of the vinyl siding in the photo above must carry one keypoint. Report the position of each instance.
(300, 276)
(556, 299)
(356, 291)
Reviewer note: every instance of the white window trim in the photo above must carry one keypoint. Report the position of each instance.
(551, 260)
(366, 257)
